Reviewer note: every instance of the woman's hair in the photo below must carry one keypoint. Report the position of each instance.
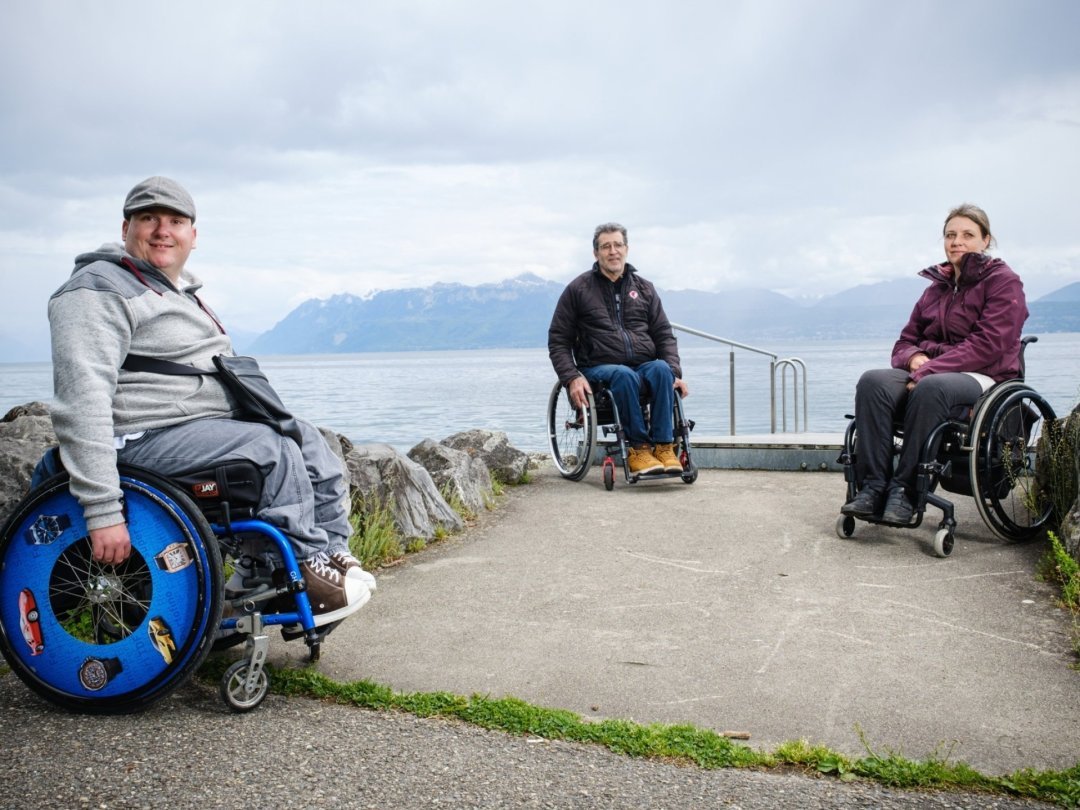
(976, 215)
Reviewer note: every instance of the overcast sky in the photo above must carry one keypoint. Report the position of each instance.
(332, 147)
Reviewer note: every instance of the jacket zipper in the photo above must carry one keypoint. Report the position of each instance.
(622, 329)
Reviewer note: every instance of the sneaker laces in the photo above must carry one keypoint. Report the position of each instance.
(320, 565)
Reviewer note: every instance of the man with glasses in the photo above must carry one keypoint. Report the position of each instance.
(609, 327)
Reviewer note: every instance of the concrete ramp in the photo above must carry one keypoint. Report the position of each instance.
(732, 604)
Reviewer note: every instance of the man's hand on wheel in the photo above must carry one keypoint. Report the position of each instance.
(111, 544)
(579, 389)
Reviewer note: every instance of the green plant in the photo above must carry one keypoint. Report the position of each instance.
(452, 496)
(80, 625)
(1059, 566)
(375, 539)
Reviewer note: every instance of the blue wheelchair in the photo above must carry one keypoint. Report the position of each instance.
(574, 433)
(111, 639)
(988, 454)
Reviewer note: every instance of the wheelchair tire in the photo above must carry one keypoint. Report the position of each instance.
(609, 474)
(571, 433)
(108, 639)
(845, 527)
(1005, 433)
(943, 542)
(234, 689)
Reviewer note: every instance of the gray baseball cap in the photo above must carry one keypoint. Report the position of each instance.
(159, 192)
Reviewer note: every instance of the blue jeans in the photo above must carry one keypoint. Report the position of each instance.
(625, 385)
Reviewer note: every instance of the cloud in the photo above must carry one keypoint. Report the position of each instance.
(342, 147)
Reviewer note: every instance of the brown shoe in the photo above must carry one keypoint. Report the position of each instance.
(642, 461)
(665, 454)
(333, 595)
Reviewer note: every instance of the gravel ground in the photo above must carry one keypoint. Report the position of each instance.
(190, 751)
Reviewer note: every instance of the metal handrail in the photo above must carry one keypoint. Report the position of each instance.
(797, 366)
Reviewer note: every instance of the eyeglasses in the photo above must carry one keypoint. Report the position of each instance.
(606, 246)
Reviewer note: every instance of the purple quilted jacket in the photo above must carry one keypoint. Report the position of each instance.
(973, 325)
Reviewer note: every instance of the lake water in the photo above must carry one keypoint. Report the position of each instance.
(404, 397)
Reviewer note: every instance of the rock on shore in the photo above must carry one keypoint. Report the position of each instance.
(415, 485)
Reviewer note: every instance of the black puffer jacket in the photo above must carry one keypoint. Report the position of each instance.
(600, 321)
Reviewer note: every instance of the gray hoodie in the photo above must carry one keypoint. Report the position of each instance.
(114, 305)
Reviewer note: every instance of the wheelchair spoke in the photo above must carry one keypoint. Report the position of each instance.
(112, 600)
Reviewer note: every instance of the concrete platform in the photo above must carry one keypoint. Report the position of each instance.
(761, 451)
(732, 604)
(768, 451)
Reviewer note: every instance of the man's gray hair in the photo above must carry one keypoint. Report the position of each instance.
(608, 227)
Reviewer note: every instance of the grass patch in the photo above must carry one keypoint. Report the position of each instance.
(680, 743)
(375, 539)
(452, 496)
(1060, 567)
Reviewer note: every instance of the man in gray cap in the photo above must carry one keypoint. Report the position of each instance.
(139, 299)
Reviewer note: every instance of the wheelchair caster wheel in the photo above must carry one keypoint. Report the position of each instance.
(943, 542)
(234, 689)
(609, 474)
(845, 526)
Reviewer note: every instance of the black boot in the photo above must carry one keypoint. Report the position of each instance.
(898, 508)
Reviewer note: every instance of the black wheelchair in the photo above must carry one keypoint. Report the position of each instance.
(989, 456)
(573, 435)
(114, 639)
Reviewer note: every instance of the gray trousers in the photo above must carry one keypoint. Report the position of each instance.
(881, 397)
(304, 492)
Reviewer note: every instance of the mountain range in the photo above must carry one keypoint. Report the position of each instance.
(515, 314)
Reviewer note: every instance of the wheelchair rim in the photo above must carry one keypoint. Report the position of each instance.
(107, 638)
(571, 433)
(1003, 462)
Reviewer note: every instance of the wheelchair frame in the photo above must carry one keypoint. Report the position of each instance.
(109, 639)
(572, 437)
(990, 457)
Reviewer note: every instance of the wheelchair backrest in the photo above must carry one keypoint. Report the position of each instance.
(229, 491)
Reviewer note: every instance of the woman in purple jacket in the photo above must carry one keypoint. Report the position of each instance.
(963, 336)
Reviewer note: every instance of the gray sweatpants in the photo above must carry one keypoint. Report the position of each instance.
(882, 397)
(304, 491)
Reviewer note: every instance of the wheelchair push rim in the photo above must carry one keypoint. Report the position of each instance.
(1005, 437)
(100, 638)
(571, 433)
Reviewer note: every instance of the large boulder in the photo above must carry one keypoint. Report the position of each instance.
(1058, 474)
(25, 433)
(1070, 522)
(456, 473)
(505, 461)
(385, 474)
